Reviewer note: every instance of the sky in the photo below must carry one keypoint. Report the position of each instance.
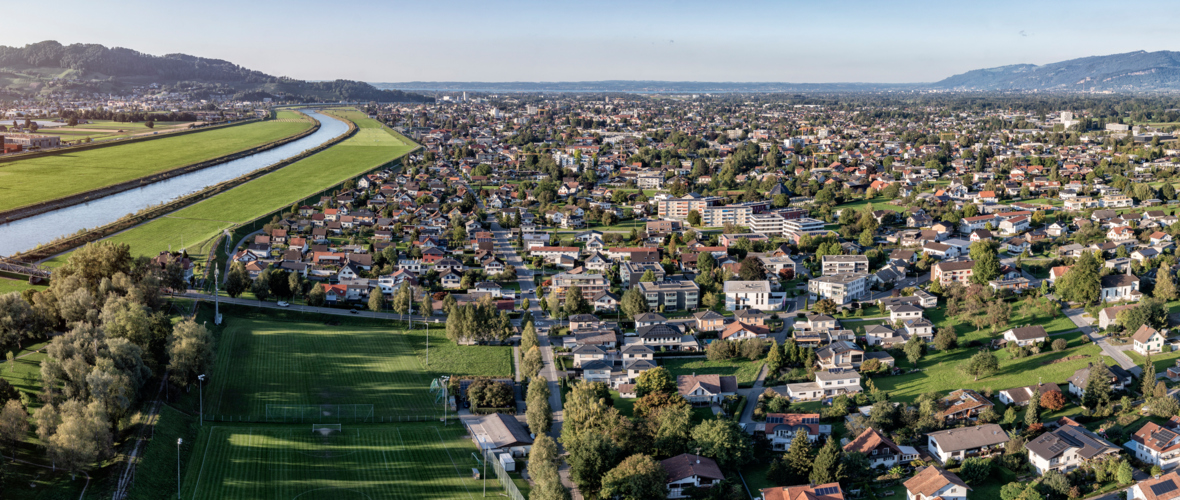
(728, 41)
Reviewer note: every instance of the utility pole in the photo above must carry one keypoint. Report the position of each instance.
(201, 378)
(216, 297)
(179, 441)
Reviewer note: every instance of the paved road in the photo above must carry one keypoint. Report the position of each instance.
(1084, 323)
(502, 243)
(751, 400)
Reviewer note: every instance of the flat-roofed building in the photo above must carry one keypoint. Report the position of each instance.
(674, 295)
(841, 288)
(751, 295)
(840, 264)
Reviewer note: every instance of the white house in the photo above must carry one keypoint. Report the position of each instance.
(1148, 340)
(1066, 448)
(1157, 444)
(932, 482)
(966, 441)
(1166, 486)
(1026, 335)
(751, 295)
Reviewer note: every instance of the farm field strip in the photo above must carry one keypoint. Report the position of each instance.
(45, 178)
(201, 221)
(286, 462)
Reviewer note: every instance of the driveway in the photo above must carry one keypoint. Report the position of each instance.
(1084, 323)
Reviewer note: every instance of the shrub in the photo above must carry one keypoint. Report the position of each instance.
(1059, 345)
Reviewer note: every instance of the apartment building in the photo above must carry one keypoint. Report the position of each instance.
(631, 271)
(947, 272)
(842, 264)
(678, 208)
(751, 295)
(841, 288)
(768, 224)
(673, 295)
(590, 284)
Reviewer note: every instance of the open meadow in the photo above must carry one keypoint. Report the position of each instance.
(409, 460)
(98, 130)
(33, 180)
(286, 360)
(198, 223)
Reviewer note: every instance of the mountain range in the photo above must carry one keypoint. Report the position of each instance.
(49, 66)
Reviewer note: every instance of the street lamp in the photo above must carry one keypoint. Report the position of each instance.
(179, 441)
(201, 379)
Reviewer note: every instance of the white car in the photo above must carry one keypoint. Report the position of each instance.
(283, 304)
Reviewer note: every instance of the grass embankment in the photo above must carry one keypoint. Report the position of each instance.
(200, 222)
(34, 180)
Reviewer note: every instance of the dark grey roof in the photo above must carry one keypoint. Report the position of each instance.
(658, 331)
(1053, 444)
(966, 438)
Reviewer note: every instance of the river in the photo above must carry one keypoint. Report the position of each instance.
(26, 234)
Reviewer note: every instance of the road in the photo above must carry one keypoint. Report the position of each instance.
(1083, 322)
(502, 246)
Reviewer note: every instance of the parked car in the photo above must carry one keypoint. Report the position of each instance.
(283, 304)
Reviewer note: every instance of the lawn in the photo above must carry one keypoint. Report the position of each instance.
(1053, 325)
(1162, 361)
(193, 226)
(879, 203)
(940, 371)
(745, 370)
(25, 372)
(361, 462)
(11, 285)
(108, 129)
(283, 358)
(33, 180)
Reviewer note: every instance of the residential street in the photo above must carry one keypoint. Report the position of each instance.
(1115, 352)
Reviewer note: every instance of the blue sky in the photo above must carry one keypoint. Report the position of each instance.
(754, 41)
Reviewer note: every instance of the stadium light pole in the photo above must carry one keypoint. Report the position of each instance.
(179, 441)
(201, 379)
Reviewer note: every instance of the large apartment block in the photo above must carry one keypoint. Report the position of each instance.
(674, 295)
(590, 284)
(678, 208)
(843, 264)
(751, 295)
(631, 271)
(841, 288)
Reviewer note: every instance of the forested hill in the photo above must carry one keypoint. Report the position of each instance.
(1133, 71)
(49, 64)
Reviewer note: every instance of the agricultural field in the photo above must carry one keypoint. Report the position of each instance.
(196, 225)
(285, 359)
(44, 178)
(427, 461)
(98, 130)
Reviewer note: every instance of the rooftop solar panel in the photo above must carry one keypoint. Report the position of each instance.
(1164, 487)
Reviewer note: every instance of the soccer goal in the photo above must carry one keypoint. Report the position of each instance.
(326, 429)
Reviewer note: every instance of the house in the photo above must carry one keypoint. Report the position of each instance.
(450, 279)
(1056, 273)
(690, 471)
(879, 450)
(964, 404)
(1066, 448)
(841, 288)
(709, 321)
(963, 442)
(1026, 335)
(1165, 487)
(930, 483)
(947, 272)
(1148, 340)
(1119, 379)
(649, 319)
(840, 354)
(1020, 396)
(705, 390)
(1157, 444)
(740, 331)
(829, 491)
(781, 428)
(1109, 315)
(604, 301)
(1118, 287)
(903, 312)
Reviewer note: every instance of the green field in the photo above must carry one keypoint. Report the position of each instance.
(11, 285)
(106, 129)
(746, 371)
(284, 359)
(192, 226)
(879, 203)
(423, 461)
(33, 180)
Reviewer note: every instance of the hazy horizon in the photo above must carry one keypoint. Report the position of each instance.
(524, 41)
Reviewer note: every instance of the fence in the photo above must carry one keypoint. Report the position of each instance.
(310, 418)
(510, 489)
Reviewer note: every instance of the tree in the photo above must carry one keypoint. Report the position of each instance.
(975, 469)
(752, 269)
(14, 424)
(637, 477)
(694, 218)
(1097, 391)
(1059, 345)
(1032, 413)
(1148, 384)
(190, 352)
(913, 350)
(634, 303)
(946, 338)
(825, 306)
(531, 365)
(317, 296)
(795, 466)
(774, 358)
(575, 302)
(376, 300)
(1083, 282)
(1125, 474)
(261, 285)
(982, 364)
(654, 403)
(657, 379)
(987, 263)
(866, 238)
(528, 337)
(723, 440)
(1053, 400)
(591, 455)
(542, 468)
(237, 280)
(16, 318)
(827, 467)
(539, 414)
(648, 277)
(1165, 286)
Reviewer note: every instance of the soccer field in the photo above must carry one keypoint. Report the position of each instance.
(421, 461)
(286, 360)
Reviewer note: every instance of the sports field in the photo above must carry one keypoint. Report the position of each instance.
(280, 360)
(33, 180)
(421, 461)
(198, 223)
